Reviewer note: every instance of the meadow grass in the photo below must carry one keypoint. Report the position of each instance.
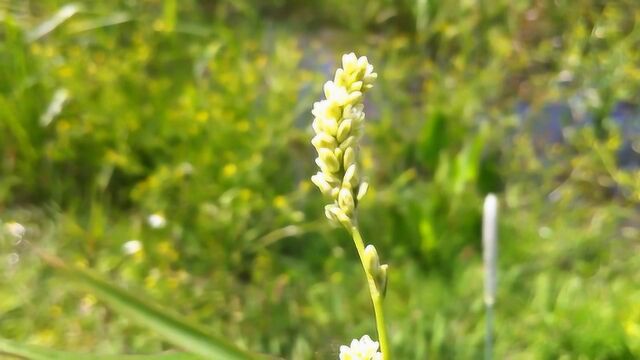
(199, 111)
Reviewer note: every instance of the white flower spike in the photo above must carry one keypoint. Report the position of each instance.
(338, 126)
(363, 349)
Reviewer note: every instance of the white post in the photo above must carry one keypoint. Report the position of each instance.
(490, 258)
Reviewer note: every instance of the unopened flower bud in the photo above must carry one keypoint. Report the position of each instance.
(371, 260)
(322, 140)
(329, 212)
(349, 158)
(343, 130)
(321, 164)
(339, 78)
(353, 97)
(362, 190)
(345, 200)
(333, 212)
(356, 86)
(363, 62)
(332, 179)
(316, 125)
(329, 159)
(330, 126)
(350, 176)
(349, 62)
(382, 280)
(328, 89)
(348, 142)
(338, 153)
(319, 180)
(336, 94)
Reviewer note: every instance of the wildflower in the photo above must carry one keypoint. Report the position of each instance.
(338, 122)
(157, 221)
(131, 247)
(363, 349)
(184, 169)
(229, 170)
(338, 126)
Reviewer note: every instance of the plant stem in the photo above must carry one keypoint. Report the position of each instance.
(376, 297)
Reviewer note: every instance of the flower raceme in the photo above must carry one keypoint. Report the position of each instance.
(338, 124)
(363, 349)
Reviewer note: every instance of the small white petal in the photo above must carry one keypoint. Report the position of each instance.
(131, 247)
(363, 349)
(156, 221)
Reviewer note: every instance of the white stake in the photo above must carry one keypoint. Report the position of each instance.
(490, 258)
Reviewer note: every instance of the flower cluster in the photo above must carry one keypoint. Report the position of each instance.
(363, 349)
(338, 126)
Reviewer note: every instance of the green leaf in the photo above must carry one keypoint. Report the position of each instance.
(31, 352)
(174, 329)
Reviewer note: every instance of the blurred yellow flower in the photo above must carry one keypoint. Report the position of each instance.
(202, 116)
(229, 170)
(280, 202)
(167, 250)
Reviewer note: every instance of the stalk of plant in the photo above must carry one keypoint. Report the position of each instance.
(490, 257)
(338, 126)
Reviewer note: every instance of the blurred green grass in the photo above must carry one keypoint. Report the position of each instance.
(199, 111)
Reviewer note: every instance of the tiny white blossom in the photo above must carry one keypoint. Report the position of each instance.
(185, 169)
(157, 221)
(363, 349)
(15, 229)
(131, 247)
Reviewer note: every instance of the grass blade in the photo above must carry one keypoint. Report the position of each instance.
(171, 327)
(64, 14)
(13, 348)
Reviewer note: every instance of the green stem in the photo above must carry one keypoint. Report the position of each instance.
(376, 297)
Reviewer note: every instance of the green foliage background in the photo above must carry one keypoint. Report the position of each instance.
(200, 111)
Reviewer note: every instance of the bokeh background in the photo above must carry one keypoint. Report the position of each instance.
(165, 144)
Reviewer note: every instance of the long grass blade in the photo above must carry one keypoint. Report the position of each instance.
(175, 330)
(31, 352)
(64, 14)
